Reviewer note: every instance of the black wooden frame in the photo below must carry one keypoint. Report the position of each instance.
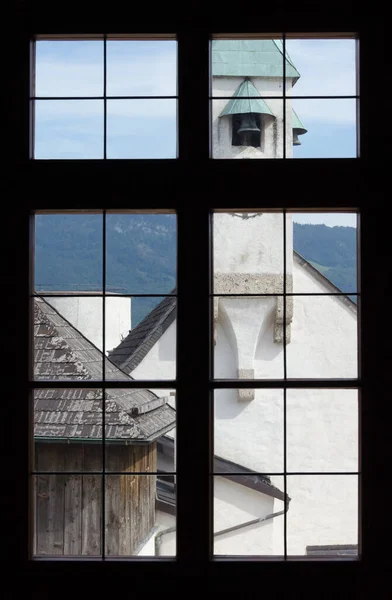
(188, 185)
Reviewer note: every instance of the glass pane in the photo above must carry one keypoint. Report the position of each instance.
(248, 253)
(253, 129)
(140, 431)
(248, 431)
(322, 430)
(142, 128)
(68, 129)
(248, 516)
(147, 350)
(260, 61)
(69, 68)
(67, 430)
(321, 128)
(141, 68)
(323, 338)
(326, 67)
(140, 515)
(325, 252)
(248, 337)
(67, 515)
(323, 511)
(68, 337)
(141, 257)
(68, 253)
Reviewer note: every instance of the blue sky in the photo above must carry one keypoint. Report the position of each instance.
(147, 128)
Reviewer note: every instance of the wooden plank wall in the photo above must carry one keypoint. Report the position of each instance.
(68, 515)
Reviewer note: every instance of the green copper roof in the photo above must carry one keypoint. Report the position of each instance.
(297, 124)
(251, 58)
(239, 103)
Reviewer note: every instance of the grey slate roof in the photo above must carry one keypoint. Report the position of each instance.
(131, 351)
(61, 352)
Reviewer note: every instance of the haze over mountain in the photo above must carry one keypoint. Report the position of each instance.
(141, 254)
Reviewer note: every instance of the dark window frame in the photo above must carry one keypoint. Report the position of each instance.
(358, 181)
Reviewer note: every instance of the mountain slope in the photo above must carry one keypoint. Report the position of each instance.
(141, 254)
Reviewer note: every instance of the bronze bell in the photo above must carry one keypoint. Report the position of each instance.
(248, 124)
(296, 141)
(247, 129)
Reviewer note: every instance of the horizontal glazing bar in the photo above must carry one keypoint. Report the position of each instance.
(284, 383)
(99, 384)
(288, 97)
(103, 97)
(252, 474)
(99, 295)
(268, 558)
(286, 294)
(160, 475)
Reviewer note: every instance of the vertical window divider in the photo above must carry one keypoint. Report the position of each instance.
(103, 380)
(284, 215)
(105, 96)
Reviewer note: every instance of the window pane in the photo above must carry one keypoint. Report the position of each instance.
(323, 511)
(248, 253)
(252, 129)
(329, 125)
(140, 517)
(260, 61)
(141, 257)
(323, 338)
(142, 128)
(68, 430)
(67, 515)
(140, 431)
(322, 430)
(69, 68)
(68, 129)
(248, 337)
(68, 253)
(248, 516)
(141, 68)
(248, 431)
(147, 350)
(325, 252)
(68, 338)
(326, 67)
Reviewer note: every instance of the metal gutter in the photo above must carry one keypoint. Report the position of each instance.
(158, 538)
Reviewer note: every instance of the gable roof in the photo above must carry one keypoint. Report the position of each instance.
(131, 351)
(251, 58)
(61, 352)
(345, 299)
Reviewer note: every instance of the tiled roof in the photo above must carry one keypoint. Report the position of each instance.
(63, 353)
(131, 351)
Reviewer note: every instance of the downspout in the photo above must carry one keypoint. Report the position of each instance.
(158, 537)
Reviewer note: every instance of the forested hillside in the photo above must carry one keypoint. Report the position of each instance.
(141, 254)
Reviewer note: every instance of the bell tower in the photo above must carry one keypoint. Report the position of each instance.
(247, 114)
